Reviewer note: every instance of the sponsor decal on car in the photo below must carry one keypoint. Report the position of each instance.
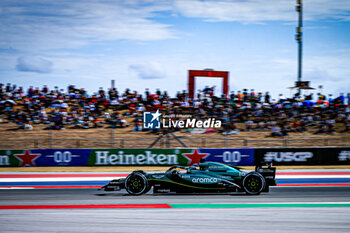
(205, 180)
(163, 190)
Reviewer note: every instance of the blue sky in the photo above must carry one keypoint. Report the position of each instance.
(153, 43)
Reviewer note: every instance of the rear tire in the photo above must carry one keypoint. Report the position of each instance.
(253, 183)
(136, 184)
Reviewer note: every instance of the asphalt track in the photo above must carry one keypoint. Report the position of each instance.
(284, 209)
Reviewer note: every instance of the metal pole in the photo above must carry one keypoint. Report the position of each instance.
(50, 138)
(155, 141)
(112, 138)
(299, 38)
(177, 139)
(167, 140)
(225, 141)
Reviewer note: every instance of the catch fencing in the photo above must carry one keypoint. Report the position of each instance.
(167, 157)
(167, 142)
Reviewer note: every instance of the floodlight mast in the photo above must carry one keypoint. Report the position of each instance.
(299, 38)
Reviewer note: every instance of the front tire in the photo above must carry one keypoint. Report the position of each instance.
(136, 184)
(253, 183)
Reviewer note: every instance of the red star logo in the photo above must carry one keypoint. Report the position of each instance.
(195, 157)
(27, 158)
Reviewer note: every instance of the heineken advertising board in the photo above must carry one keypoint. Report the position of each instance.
(168, 157)
(123, 157)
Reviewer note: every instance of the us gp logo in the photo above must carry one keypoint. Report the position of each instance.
(151, 120)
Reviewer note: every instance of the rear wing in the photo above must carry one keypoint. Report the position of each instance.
(268, 172)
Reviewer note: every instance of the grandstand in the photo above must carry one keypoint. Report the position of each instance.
(43, 118)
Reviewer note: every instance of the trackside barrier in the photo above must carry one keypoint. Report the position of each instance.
(166, 157)
(122, 157)
(303, 156)
(53, 141)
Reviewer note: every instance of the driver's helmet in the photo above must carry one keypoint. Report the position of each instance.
(202, 164)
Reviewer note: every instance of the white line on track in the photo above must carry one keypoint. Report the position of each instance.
(107, 178)
(310, 176)
(57, 179)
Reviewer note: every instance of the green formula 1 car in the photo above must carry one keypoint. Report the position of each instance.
(208, 178)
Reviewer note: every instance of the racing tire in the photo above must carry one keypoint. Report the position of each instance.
(253, 183)
(136, 184)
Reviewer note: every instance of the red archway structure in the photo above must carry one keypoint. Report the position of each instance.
(206, 73)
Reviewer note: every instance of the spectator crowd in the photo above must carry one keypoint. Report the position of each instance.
(74, 108)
